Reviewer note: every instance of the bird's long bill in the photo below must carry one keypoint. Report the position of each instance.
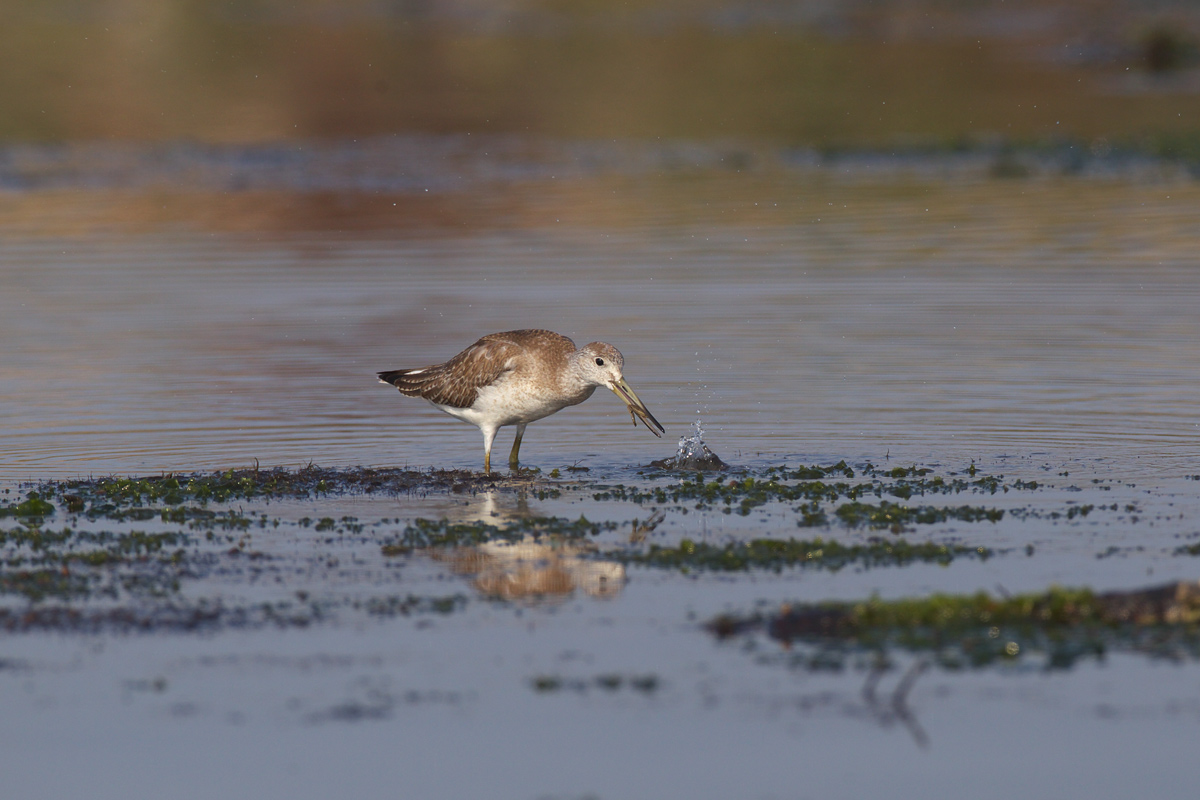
(637, 408)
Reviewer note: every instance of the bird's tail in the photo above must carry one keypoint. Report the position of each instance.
(393, 377)
(424, 382)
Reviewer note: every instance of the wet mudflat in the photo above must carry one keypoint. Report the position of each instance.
(953, 547)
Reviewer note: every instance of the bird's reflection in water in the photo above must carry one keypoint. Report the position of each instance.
(534, 569)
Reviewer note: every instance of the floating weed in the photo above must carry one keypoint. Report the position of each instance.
(185, 498)
(397, 606)
(1059, 627)
(811, 517)
(424, 533)
(1079, 511)
(778, 554)
(547, 683)
(747, 493)
(896, 517)
(1070, 513)
(117, 497)
(32, 509)
(815, 485)
(77, 577)
(38, 584)
(50, 546)
(90, 579)
(814, 472)
(69, 564)
(166, 611)
(608, 683)
(907, 472)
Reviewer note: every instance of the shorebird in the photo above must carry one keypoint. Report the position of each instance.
(517, 377)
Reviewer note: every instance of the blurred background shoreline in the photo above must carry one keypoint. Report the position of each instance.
(429, 116)
(927, 74)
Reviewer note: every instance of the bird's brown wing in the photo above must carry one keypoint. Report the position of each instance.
(456, 382)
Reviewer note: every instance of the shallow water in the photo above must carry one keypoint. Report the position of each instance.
(950, 318)
(877, 311)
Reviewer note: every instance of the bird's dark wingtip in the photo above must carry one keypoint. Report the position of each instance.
(390, 376)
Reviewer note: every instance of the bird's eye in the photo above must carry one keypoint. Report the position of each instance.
(599, 362)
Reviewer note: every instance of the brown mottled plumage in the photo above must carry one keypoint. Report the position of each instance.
(457, 382)
(517, 377)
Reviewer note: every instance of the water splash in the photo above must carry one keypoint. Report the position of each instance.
(693, 453)
(692, 445)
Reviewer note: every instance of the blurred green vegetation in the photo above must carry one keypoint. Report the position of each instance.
(870, 75)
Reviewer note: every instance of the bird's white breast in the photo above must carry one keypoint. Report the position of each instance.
(512, 400)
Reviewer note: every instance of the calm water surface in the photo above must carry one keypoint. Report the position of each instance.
(1043, 328)
(948, 338)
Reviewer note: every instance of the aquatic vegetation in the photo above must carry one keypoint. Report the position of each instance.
(177, 615)
(811, 486)
(78, 577)
(813, 490)
(50, 544)
(424, 534)
(33, 508)
(125, 498)
(1072, 512)
(747, 493)
(66, 564)
(1058, 627)
(407, 605)
(778, 554)
(195, 527)
(608, 682)
(896, 516)
(38, 584)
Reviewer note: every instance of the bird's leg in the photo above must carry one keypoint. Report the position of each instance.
(512, 457)
(489, 434)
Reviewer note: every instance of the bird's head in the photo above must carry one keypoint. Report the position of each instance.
(603, 365)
